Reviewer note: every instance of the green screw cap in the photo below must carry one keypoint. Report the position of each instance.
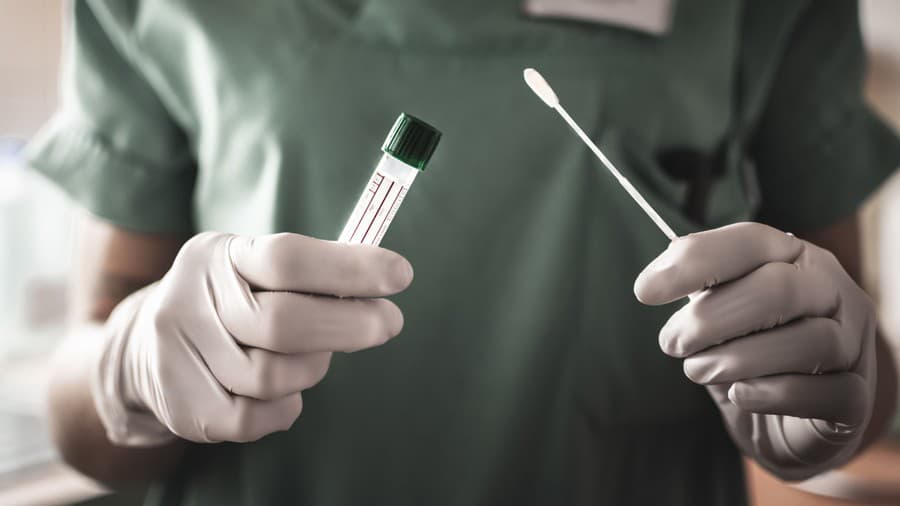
(412, 141)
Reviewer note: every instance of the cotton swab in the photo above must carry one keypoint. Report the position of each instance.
(542, 89)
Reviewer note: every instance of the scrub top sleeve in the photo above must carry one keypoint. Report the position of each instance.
(819, 150)
(112, 145)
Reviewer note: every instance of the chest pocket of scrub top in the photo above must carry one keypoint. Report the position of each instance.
(712, 188)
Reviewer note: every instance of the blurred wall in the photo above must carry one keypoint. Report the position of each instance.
(30, 43)
(881, 27)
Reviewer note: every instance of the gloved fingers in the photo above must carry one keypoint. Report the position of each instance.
(287, 322)
(836, 397)
(297, 263)
(712, 257)
(269, 375)
(807, 346)
(245, 419)
(767, 297)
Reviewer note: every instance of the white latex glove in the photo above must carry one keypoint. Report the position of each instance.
(222, 346)
(780, 334)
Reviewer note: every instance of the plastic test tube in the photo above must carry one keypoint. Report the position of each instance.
(407, 149)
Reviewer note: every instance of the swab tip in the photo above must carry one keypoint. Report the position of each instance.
(540, 87)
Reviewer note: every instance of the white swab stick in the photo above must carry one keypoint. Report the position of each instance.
(542, 89)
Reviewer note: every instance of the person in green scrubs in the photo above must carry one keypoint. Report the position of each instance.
(526, 371)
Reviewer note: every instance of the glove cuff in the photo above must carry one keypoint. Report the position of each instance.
(126, 424)
(787, 438)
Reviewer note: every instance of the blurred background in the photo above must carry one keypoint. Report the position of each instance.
(35, 260)
(34, 257)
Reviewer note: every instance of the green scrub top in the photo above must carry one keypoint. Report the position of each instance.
(527, 373)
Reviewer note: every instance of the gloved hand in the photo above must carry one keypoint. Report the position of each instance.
(222, 346)
(780, 334)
